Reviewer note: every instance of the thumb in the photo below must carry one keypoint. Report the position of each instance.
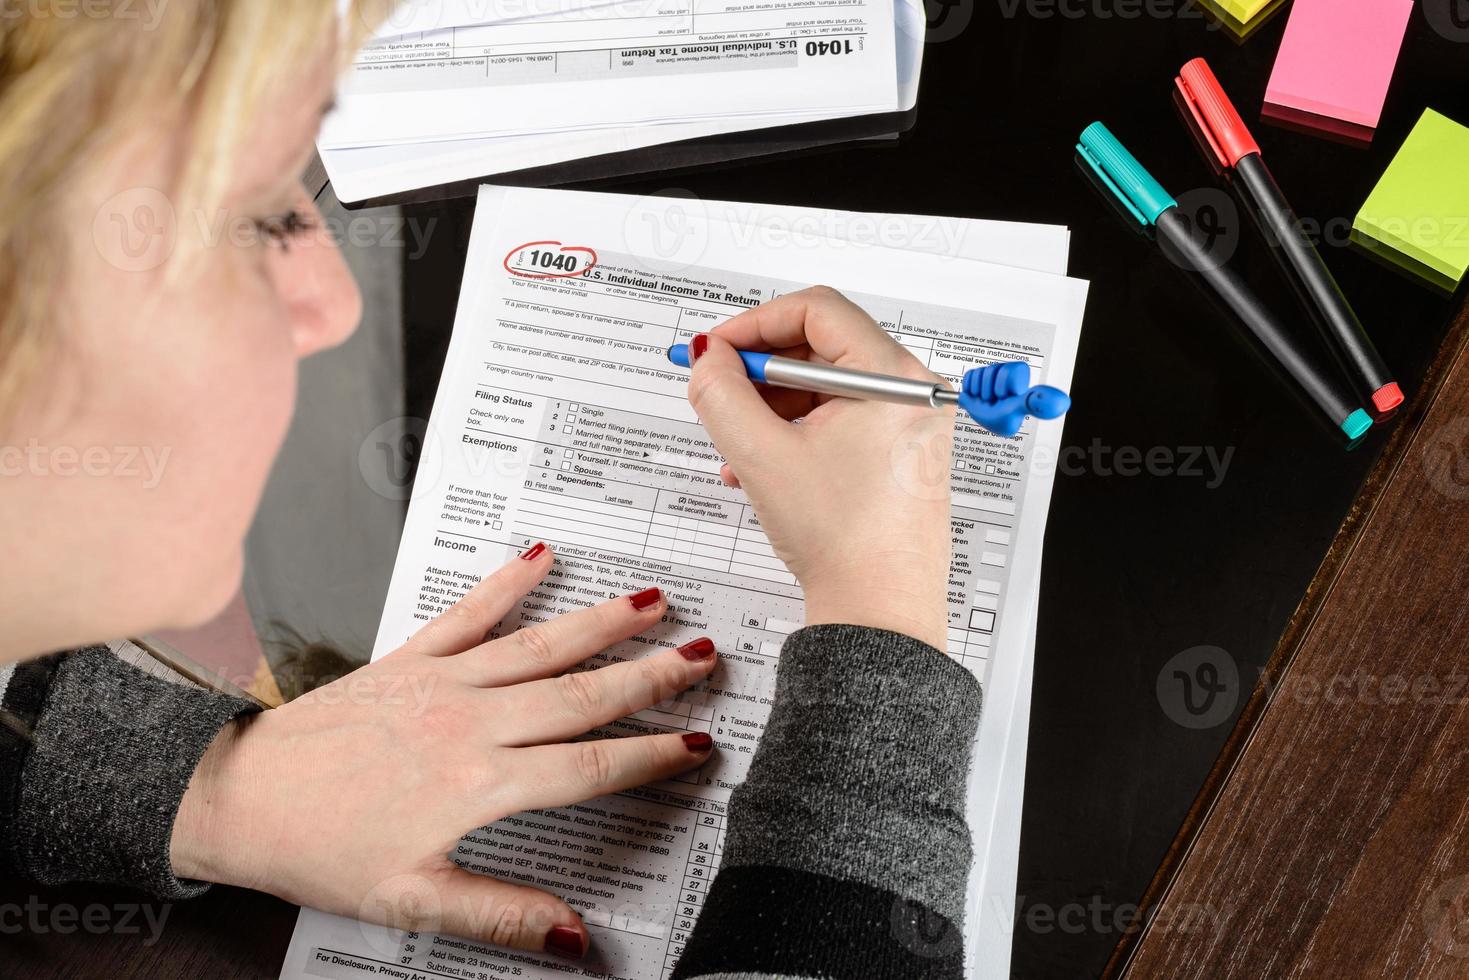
(744, 428)
(497, 912)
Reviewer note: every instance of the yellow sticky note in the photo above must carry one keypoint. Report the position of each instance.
(1227, 13)
(1243, 10)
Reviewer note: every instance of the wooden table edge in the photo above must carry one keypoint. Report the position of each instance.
(1454, 347)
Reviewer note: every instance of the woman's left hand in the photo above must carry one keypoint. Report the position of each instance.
(352, 798)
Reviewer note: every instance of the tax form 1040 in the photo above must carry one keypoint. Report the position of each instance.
(441, 94)
(559, 418)
(557, 67)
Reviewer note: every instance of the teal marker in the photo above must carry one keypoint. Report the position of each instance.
(1144, 202)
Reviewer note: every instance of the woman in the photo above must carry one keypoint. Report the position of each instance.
(163, 275)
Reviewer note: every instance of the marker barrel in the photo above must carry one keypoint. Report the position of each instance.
(1324, 390)
(1308, 272)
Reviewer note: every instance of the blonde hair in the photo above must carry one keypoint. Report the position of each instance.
(76, 79)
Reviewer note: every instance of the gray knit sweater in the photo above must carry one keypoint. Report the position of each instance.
(846, 854)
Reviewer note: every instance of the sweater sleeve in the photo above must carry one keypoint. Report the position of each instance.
(95, 756)
(847, 853)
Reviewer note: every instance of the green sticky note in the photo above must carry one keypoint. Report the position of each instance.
(1420, 207)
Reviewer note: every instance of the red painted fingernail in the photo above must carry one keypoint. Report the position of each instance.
(534, 552)
(566, 942)
(646, 599)
(700, 649)
(698, 742)
(699, 345)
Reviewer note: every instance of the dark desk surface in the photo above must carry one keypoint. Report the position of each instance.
(1350, 754)
(1139, 570)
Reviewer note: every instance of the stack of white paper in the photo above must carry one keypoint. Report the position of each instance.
(452, 90)
(559, 418)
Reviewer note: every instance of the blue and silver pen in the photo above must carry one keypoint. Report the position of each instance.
(997, 396)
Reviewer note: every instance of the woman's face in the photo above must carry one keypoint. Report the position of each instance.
(143, 444)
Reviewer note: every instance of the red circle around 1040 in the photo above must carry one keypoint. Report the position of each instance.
(550, 260)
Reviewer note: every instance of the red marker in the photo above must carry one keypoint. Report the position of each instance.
(1229, 141)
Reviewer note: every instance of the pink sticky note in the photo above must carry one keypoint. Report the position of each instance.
(1337, 58)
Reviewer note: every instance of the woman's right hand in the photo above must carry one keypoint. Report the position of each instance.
(854, 499)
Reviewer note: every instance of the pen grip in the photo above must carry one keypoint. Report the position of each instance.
(754, 361)
(787, 372)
